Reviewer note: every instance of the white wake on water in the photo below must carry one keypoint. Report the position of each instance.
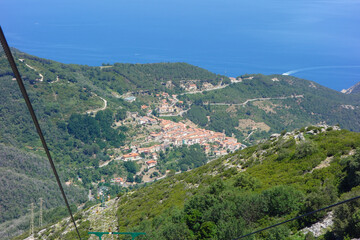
(316, 68)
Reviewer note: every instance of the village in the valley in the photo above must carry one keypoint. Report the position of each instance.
(159, 134)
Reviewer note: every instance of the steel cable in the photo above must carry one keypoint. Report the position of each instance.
(34, 118)
(298, 217)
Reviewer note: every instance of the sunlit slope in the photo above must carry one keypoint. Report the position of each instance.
(260, 105)
(283, 177)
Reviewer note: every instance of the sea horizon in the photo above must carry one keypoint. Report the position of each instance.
(316, 39)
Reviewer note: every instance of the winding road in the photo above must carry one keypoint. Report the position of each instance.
(219, 86)
(94, 111)
(40, 75)
(255, 99)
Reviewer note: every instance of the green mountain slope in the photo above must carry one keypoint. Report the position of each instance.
(24, 178)
(62, 94)
(285, 176)
(122, 77)
(261, 105)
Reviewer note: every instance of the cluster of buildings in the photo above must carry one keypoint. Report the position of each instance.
(146, 120)
(189, 85)
(117, 180)
(207, 85)
(235, 80)
(167, 103)
(177, 134)
(149, 151)
(133, 156)
(166, 107)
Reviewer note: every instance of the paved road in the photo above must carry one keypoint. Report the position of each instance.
(255, 99)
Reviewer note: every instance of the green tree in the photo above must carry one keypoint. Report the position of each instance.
(138, 178)
(208, 230)
(304, 149)
(246, 181)
(352, 168)
(282, 200)
(347, 216)
(131, 167)
(130, 177)
(120, 115)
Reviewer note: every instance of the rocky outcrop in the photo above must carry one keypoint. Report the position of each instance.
(320, 228)
(353, 89)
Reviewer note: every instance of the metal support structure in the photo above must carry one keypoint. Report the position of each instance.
(41, 213)
(133, 234)
(31, 233)
(102, 198)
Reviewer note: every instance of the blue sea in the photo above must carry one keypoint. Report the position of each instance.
(314, 39)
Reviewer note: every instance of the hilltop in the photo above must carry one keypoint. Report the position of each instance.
(287, 175)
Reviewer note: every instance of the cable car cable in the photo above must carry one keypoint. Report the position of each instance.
(298, 217)
(34, 118)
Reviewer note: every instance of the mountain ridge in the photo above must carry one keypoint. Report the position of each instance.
(353, 89)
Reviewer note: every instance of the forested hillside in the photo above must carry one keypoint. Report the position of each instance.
(24, 178)
(286, 176)
(53, 112)
(61, 96)
(88, 125)
(79, 141)
(122, 77)
(261, 105)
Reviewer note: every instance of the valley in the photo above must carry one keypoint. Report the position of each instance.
(120, 130)
(234, 192)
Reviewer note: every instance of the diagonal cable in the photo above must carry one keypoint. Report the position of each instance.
(301, 216)
(34, 118)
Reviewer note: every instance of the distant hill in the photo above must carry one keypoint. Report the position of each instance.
(121, 77)
(288, 175)
(353, 89)
(260, 105)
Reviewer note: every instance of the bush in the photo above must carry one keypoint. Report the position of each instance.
(347, 216)
(282, 200)
(304, 149)
(284, 153)
(246, 181)
(352, 168)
